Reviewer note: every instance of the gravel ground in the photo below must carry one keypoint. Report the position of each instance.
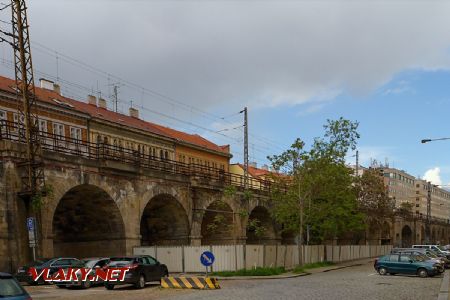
(359, 282)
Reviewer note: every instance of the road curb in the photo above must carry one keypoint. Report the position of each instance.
(443, 291)
(287, 276)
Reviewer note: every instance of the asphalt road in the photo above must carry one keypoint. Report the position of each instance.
(359, 282)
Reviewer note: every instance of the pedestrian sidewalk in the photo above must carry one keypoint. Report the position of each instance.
(338, 266)
(443, 292)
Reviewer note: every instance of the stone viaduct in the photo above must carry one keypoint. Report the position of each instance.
(105, 207)
(101, 207)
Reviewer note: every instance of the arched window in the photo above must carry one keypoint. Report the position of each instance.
(161, 154)
(166, 155)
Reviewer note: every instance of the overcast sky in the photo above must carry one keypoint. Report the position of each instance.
(293, 63)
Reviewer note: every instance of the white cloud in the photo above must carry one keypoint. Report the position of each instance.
(262, 53)
(433, 175)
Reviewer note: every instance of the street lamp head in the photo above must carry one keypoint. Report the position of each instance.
(425, 141)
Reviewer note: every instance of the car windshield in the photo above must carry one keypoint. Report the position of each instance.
(431, 254)
(418, 257)
(90, 263)
(9, 287)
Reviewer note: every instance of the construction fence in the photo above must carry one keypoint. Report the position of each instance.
(186, 259)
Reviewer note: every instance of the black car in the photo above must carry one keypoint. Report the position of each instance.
(10, 288)
(53, 264)
(142, 269)
(23, 273)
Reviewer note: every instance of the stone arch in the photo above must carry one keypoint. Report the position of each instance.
(407, 236)
(87, 222)
(374, 235)
(164, 221)
(218, 224)
(385, 233)
(433, 235)
(260, 227)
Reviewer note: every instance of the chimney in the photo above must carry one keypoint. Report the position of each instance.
(134, 113)
(102, 103)
(46, 84)
(265, 167)
(57, 88)
(92, 100)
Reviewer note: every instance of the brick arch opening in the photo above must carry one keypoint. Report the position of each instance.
(164, 222)
(374, 236)
(218, 224)
(386, 234)
(407, 236)
(260, 227)
(87, 222)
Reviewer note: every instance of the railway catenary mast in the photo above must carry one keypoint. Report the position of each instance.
(33, 181)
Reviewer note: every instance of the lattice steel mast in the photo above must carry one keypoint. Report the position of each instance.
(27, 120)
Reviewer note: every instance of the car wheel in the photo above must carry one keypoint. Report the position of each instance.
(86, 284)
(109, 286)
(166, 274)
(422, 273)
(140, 284)
(382, 271)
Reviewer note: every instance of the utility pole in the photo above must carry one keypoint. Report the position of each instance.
(357, 163)
(116, 99)
(34, 179)
(245, 147)
(428, 220)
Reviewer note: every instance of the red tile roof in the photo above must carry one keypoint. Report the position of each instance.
(255, 172)
(48, 96)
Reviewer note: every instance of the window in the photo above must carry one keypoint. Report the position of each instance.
(166, 155)
(393, 257)
(150, 261)
(161, 154)
(43, 126)
(75, 133)
(2, 115)
(404, 258)
(58, 130)
(417, 205)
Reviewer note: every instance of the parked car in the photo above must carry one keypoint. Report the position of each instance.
(23, 273)
(425, 253)
(53, 264)
(10, 288)
(439, 249)
(142, 269)
(405, 264)
(90, 263)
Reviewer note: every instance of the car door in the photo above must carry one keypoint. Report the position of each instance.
(392, 264)
(405, 265)
(152, 267)
(61, 263)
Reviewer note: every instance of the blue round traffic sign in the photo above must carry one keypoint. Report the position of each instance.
(207, 258)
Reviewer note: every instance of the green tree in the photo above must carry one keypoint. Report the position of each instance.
(320, 191)
(372, 196)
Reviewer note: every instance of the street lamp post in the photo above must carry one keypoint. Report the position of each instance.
(432, 140)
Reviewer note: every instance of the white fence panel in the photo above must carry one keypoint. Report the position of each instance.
(225, 258)
(172, 257)
(254, 256)
(270, 259)
(281, 256)
(144, 251)
(192, 258)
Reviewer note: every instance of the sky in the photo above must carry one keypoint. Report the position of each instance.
(194, 65)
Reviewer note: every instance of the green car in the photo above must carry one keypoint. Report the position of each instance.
(405, 264)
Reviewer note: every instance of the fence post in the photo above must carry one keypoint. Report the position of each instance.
(183, 263)
(264, 255)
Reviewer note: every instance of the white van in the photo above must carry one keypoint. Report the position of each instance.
(436, 248)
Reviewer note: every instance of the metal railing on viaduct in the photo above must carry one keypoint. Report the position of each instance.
(102, 151)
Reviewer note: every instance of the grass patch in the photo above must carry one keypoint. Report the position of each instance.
(302, 269)
(251, 272)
